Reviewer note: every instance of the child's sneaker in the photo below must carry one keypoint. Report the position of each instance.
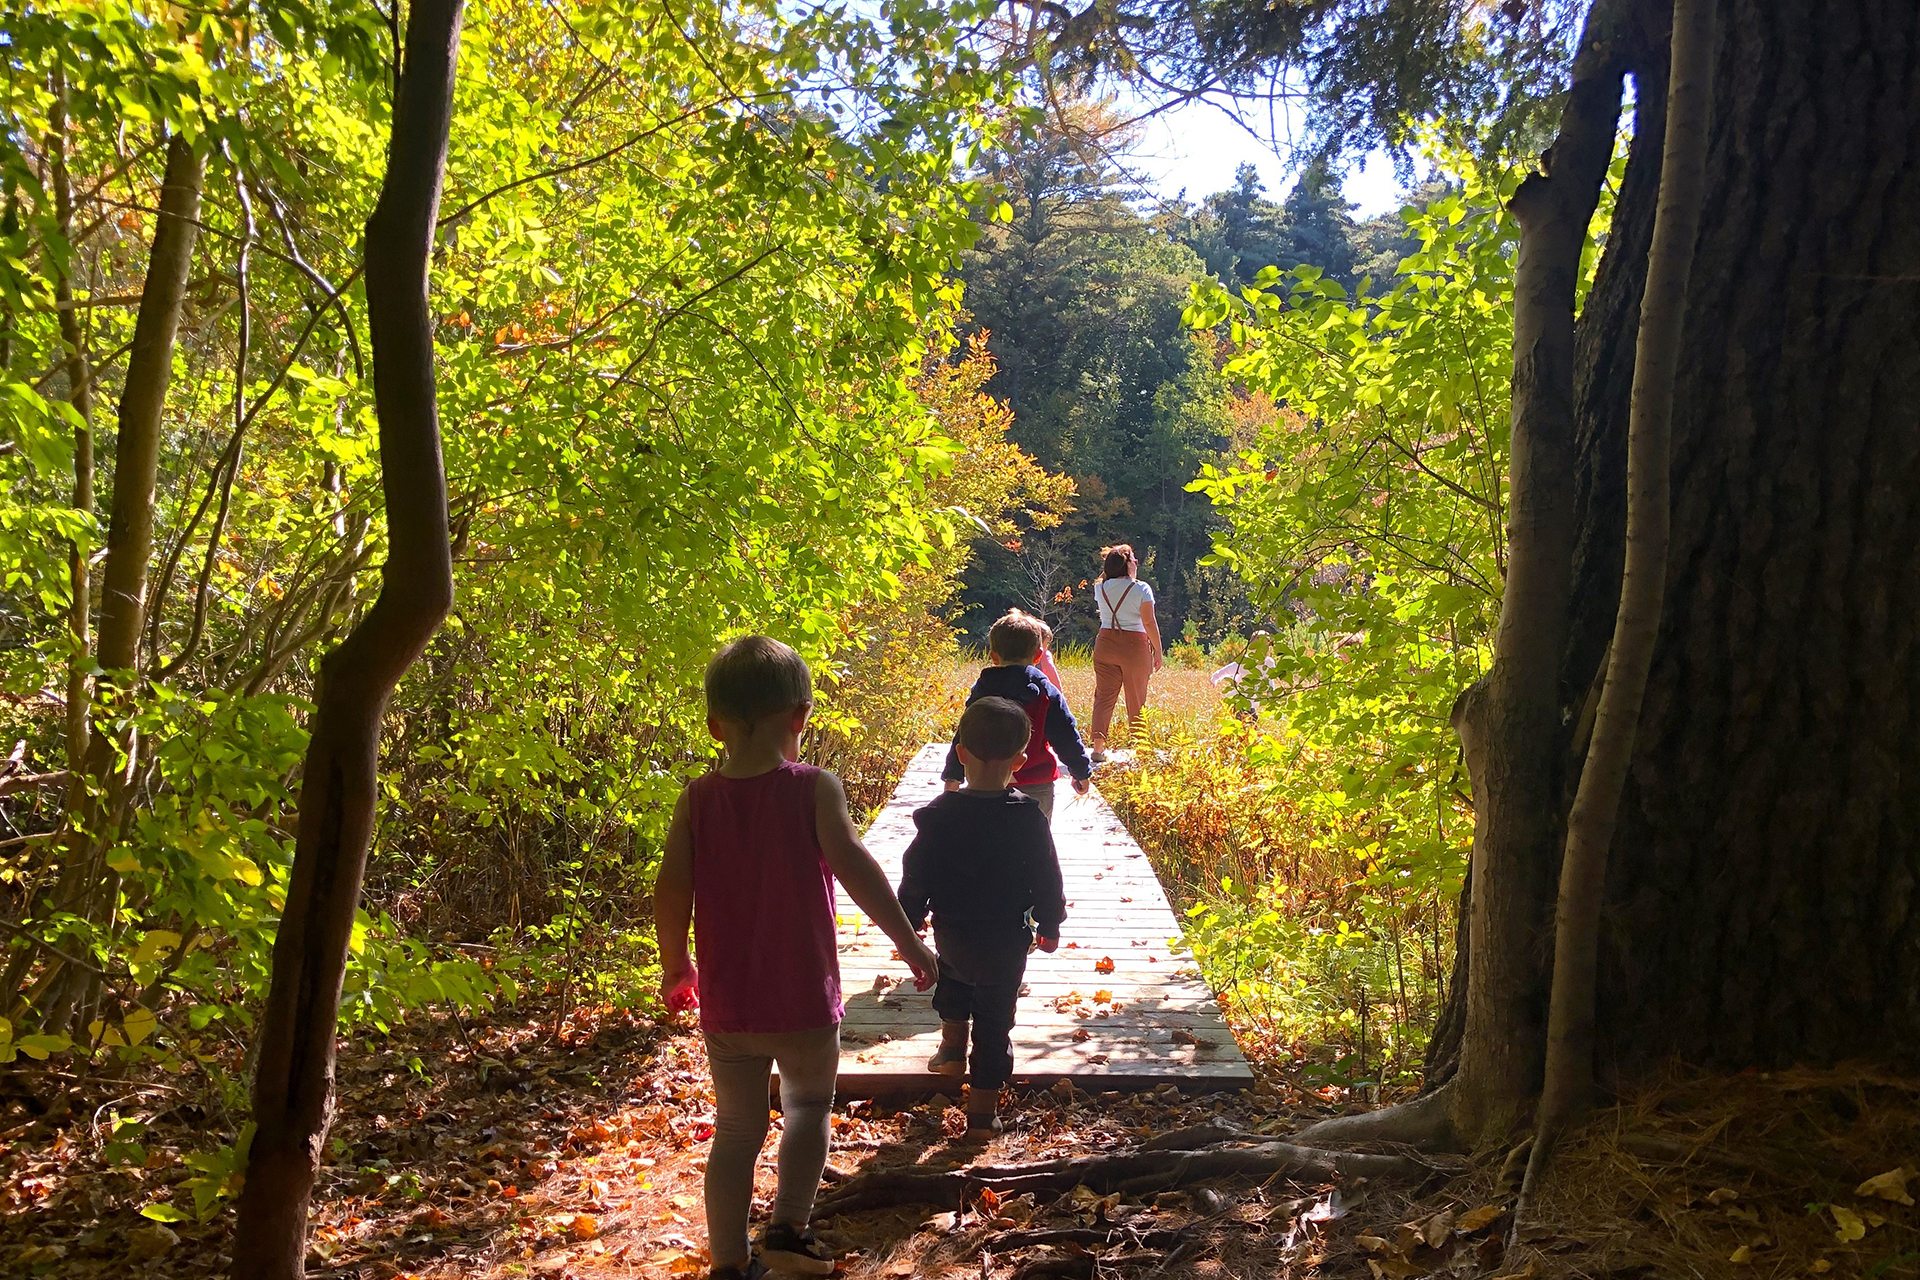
(950, 1059)
(786, 1248)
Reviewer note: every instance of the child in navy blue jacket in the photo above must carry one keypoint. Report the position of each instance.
(982, 862)
(1014, 644)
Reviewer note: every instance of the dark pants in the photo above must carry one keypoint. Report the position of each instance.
(980, 973)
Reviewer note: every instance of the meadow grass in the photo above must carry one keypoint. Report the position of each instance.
(1184, 693)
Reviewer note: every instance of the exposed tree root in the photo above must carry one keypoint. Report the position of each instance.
(1194, 1137)
(1422, 1124)
(1136, 1172)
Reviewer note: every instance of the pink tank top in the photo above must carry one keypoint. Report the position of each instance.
(763, 931)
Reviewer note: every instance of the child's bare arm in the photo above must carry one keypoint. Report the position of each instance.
(866, 882)
(673, 911)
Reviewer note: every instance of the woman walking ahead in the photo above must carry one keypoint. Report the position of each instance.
(1126, 651)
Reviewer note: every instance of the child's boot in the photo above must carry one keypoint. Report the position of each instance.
(951, 1058)
(983, 1105)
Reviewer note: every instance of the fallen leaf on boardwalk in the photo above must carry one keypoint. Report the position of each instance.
(1720, 1195)
(1851, 1226)
(1891, 1185)
(1475, 1219)
(1103, 965)
(1098, 1059)
(1081, 1033)
(1103, 997)
(1187, 1037)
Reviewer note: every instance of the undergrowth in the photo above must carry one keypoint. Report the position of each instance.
(1324, 929)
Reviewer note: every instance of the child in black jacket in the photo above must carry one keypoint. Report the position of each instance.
(1015, 643)
(983, 859)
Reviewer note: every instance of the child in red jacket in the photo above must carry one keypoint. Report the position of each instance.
(1014, 644)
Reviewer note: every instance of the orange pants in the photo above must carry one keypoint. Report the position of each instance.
(1122, 660)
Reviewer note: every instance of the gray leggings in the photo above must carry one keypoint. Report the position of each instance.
(741, 1061)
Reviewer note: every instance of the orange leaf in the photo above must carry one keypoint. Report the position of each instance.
(1103, 965)
(1103, 997)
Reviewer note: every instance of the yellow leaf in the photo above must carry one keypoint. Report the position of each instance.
(1820, 1266)
(1103, 997)
(1851, 1227)
(1891, 1185)
(1475, 1219)
(155, 943)
(1720, 1195)
(1103, 965)
(139, 1024)
(1742, 1254)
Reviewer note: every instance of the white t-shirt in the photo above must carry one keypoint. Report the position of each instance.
(1120, 607)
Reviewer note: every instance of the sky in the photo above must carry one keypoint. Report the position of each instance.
(1197, 146)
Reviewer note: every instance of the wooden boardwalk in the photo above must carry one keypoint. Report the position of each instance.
(1149, 1021)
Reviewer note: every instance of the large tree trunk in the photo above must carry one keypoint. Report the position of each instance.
(1511, 724)
(1590, 826)
(1762, 883)
(293, 1085)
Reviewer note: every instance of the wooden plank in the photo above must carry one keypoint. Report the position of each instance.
(1166, 1027)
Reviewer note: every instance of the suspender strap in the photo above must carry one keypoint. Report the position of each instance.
(1113, 607)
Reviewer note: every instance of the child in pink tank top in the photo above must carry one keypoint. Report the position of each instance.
(750, 862)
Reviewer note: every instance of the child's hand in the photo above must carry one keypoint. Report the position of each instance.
(1082, 785)
(680, 987)
(1047, 944)
(925, 965)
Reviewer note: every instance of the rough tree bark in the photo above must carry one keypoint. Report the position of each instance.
(1761, 888)
(1568, 1084)
(293, 1085)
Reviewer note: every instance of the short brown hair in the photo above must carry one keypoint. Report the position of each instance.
(1115, 560)
(1017, 637)
(756, 676)
(995, 729)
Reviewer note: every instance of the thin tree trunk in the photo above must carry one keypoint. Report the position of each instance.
(1590, 826)
(293, 1085)
(1511, 721)
(80, 395)
(129, 545)
(149, 370)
